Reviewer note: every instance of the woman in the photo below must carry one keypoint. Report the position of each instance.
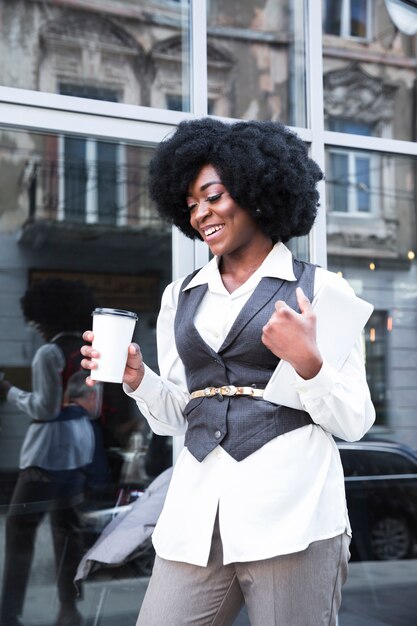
(256, 508)
(58, 446)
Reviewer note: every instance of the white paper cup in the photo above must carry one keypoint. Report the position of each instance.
(113, 332)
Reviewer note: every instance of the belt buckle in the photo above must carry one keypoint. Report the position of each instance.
(209, 391)
(228, 390)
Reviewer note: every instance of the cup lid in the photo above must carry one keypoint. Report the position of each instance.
(121, 312)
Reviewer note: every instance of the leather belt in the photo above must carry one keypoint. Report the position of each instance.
(228, 390)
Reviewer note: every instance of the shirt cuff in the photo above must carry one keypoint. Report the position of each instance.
(314, 388)
(149, 388)
(13, 394)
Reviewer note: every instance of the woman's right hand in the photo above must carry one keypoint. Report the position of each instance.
(134, 370)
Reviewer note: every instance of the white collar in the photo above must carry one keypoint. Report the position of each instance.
(278, 264)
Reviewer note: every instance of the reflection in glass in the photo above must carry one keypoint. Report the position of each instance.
(346, 167)
(77, 209)
(371, 232)
(256, 60)
(346, 18)
(129, 52)
(369, 71)
(381, 490)
(73, 179)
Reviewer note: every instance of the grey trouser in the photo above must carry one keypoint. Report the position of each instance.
(300, 589)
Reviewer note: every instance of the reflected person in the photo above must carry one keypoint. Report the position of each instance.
(58, 444)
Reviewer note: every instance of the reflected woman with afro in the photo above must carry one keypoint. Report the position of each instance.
(57, 447)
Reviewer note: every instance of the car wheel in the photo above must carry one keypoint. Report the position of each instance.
(391, 538)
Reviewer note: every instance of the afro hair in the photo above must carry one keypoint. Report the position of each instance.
(264, 166)
(57, 305)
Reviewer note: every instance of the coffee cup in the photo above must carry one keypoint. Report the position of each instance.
(113, 332)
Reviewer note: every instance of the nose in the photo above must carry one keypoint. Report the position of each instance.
(201, 211)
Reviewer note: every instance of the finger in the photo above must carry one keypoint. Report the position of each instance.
(133, 349)
(88, 335)
(88, 364)
(282, 313)
(265, 330)
(90, 352)
(303, 302)
(90, 382)
(280, 305)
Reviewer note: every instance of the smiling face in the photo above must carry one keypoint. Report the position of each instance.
(220, 221)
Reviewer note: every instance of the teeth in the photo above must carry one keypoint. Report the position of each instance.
(212, 229)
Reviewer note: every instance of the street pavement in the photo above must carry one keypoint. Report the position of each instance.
(376, 593)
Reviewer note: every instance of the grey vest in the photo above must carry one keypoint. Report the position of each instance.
(241, 424)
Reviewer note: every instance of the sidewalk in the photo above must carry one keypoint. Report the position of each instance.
(377, 594)
(380, 594)
(113, 603)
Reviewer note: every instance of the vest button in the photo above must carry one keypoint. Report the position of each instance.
(217, 434)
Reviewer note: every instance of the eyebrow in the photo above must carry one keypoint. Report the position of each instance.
(204, 187)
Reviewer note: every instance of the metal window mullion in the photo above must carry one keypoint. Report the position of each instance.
(315, 103)
(121, 186)
(91, 192)
(61, 179)
(345, 19)
(369, 21)
(24, 116)
(72, 104)
(198, 74)
(199, 88)
(183, 262)
(186, 253)
(376, 144)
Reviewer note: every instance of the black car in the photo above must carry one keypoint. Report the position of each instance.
(381, 491)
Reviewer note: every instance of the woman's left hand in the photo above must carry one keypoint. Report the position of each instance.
(292, 336)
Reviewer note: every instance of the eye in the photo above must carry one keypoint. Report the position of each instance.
(192, 206)
(214, 197)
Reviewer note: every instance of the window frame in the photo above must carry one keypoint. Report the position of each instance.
(48, 112)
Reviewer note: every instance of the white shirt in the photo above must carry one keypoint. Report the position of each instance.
(56, 445)
(287, 494)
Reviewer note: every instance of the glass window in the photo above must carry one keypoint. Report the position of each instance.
(364, 461)
(346, 18)
(256, 60)
(70, 179)
(76, 210)
(369, 71)
(376, 343)
(92, 185)
(129, 52)
(333, 17)
(377, 257)
(352, 182)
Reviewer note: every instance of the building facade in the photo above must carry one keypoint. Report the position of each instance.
(87, 89)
